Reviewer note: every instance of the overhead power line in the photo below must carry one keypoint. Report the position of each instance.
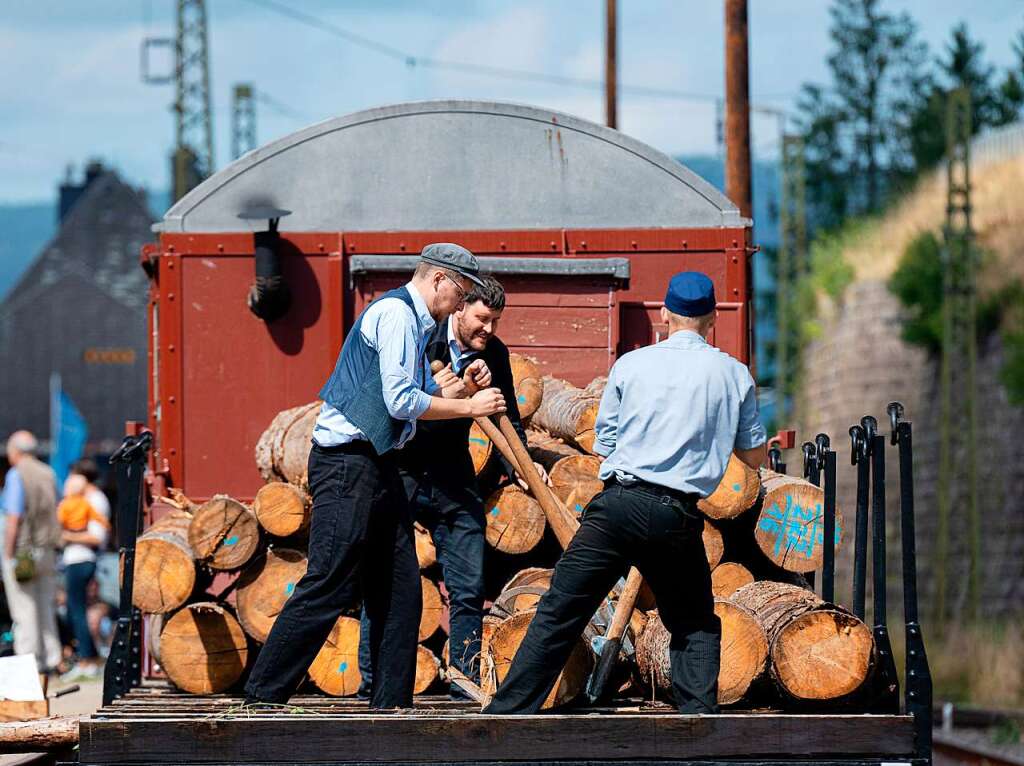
(506, 73)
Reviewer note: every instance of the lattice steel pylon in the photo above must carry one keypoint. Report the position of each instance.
(959, 359)
(791, 262)
(243, 120)
(193, 158)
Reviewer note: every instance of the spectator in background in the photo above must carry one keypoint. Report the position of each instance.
(83, 514)
(31, 535)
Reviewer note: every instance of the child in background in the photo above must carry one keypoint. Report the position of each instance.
(75, 512)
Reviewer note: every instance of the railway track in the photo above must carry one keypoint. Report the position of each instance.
(965, 736)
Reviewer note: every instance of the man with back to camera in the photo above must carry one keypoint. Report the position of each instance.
(670, 417)
(361, 538)
(437, 470)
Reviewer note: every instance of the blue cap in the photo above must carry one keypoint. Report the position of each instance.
(690, 294)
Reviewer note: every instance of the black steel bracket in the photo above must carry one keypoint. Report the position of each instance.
(888, 689)
(124, 665)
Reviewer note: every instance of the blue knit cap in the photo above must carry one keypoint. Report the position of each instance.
(690, 294)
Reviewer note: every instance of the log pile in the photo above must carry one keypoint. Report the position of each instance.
(762, 533)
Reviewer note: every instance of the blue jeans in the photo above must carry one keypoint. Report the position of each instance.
(456, 522)
(76, 580)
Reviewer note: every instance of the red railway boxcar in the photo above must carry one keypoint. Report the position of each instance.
(582, 224)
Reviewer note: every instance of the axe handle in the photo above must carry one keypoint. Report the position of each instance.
(613, 636)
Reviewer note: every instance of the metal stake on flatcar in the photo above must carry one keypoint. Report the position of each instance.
(887, 699)
(860, 450)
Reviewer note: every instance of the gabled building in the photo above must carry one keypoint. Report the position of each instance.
(80, 311)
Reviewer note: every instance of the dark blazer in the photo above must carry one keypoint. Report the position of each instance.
(440, 448)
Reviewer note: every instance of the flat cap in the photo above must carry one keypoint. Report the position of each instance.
(690, 294)
(454, 257)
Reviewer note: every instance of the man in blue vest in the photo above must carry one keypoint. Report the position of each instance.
(361, 537)
(670, 417)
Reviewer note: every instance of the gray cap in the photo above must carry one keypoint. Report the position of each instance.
(454, 257)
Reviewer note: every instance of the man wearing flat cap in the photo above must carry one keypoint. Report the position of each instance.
(670, 417)
(361, 536)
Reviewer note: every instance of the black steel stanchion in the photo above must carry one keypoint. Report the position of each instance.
(918, 679)
(811, 473)
(887, 699)
(124, 665)
(859, 453)
(828, 564)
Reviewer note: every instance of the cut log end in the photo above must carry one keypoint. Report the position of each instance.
(822, 655)
(737, 491)
(528, 384)
(335, 669)
(165, 570)
(427, 669)
(224, 533)
(430, 617)
(515, 521)
(282, 509)
(264, 587)
(728, 577)
(203, 649)
(426, 552)
(480, 448)
(790, 528)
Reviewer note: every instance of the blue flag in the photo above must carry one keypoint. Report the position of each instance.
(68, 431)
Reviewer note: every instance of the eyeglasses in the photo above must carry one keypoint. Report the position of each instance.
(462, 292)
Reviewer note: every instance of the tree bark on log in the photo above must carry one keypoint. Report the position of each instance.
(528, 384)
(530, 576)
(43, 735)
(203, 649)
(818, 651)
(515, 520)
(743, 656)
(430, 617)
(264, 587)
(224, 533)
(790, 527)
(335, 669)
(568, 412)
(502, 645)
(736, 493)
(283, 449)
(728, 577)
(282, 509)
(165, 568)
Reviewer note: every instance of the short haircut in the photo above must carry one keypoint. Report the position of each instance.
(24, 442)
(86, 467)
(490, 292)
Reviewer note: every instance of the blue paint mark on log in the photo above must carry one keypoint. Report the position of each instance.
(478, 440)
(231, 540)
(521, 399)
(342, 667)
(289, 588)
(494, 511)
(736, 487)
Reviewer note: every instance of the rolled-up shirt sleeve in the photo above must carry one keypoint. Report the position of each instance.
(392, 332)
(607, 426)
(750, 432)
(13, 498)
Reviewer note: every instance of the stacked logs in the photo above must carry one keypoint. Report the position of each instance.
(762, 533)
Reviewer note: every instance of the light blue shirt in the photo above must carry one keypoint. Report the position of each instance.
(454, 348)
(672, 413)
(13, 499)
(391, 328)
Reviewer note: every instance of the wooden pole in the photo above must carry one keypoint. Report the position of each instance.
(737, 107)
(611, 95)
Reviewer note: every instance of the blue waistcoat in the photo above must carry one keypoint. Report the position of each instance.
(355, 390)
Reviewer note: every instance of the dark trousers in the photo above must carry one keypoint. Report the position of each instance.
(662, 538)
(76, 582)
(455, 519)
(360, 543)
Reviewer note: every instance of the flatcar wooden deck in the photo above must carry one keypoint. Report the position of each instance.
(155, 725)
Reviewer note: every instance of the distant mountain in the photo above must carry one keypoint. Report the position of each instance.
(26, 228)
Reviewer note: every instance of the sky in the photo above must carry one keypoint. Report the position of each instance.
(73, 88)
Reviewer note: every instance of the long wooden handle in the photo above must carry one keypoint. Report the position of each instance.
(613, 636)
(563, 522)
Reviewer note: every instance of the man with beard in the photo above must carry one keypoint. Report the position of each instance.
(437, 471)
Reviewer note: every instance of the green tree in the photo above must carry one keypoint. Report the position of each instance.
(854, 132)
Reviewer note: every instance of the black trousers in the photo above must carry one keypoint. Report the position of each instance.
(662, 538)
(453, 513)
(360, 543)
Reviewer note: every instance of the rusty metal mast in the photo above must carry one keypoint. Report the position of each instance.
(737, 107)
(192, 160)
(611, 96)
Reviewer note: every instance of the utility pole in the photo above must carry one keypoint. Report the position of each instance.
(611, 96)
(791, 262)
(243, 120)
(959, 424)
(737, 107)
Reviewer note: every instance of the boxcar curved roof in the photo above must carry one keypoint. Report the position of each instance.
(467, 165)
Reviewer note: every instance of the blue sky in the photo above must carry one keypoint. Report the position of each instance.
(72, 88)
